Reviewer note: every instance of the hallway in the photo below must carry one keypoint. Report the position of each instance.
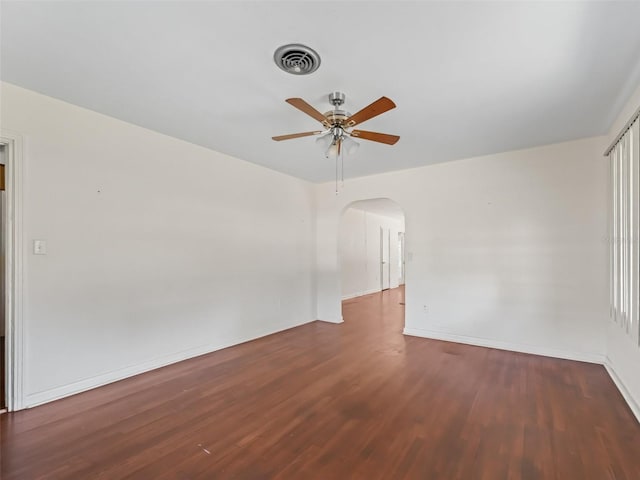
(322, 401)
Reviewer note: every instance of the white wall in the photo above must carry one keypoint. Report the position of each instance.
(158, 249)
(623, 353)
(360, 251)
(505, 250)
(154, 246)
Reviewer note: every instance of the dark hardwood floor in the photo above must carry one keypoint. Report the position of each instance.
(334, 402)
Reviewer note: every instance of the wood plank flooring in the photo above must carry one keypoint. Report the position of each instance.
(351, 401)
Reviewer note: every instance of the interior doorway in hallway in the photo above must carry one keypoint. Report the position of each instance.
(371, 249)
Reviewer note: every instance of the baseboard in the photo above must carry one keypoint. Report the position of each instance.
(360, 294)
(46, 396)
(351, 295)
(513, 347)
(633, 405)
(331, 321)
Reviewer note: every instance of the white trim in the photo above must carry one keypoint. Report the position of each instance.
(35, 399)
(514, 347)
(360, 294)
(331, 321)
(633, 405)
(14, 271)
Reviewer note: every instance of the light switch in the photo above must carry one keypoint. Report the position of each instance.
(39, 247)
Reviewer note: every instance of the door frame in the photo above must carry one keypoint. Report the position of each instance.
(14, 325)
(401, 260)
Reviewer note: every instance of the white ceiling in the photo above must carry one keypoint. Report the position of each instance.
(469, 78)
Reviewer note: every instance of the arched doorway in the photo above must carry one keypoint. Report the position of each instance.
(371, 253)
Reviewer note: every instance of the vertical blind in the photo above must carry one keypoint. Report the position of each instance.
(624, 231)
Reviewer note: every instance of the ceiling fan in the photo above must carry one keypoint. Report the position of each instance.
(338, 124)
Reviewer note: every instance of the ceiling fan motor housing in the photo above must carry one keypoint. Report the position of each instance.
(337, 117)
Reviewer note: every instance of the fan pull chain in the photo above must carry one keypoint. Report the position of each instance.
(337, 174)
(342, 169)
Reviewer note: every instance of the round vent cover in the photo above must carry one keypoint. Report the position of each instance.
(297, 59)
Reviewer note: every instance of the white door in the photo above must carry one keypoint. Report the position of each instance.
(401, 257)
(385, 255)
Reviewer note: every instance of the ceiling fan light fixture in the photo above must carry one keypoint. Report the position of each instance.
(333, 151)
(325, 141)
(349, 145)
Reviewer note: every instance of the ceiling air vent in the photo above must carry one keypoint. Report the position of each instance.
(297, 59)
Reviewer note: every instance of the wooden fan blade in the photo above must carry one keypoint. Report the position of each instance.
(383, 104)
(376, 137)
(303, 106)
(295, 135)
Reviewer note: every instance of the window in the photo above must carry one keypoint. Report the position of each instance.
(624, 229)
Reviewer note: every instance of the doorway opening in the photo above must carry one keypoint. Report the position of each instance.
(3, 204)
(11, 248)
(371, 251)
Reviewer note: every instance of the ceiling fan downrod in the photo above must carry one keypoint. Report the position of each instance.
(336, 99)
